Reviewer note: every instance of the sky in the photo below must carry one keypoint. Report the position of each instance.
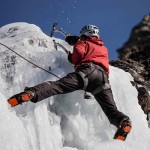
(115, 18)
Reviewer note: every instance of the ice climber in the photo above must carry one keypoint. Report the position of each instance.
(90, 58)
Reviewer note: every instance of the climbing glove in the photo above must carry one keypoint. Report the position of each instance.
(20, 98)
(71, 40)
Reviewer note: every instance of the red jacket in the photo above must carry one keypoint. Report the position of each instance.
(90, 49)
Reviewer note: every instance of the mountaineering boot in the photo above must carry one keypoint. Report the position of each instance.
(20, 98)
(123, 129)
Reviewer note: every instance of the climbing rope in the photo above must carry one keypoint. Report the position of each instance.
(29, 61)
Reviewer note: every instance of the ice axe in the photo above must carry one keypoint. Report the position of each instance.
(56, 44)
(55, 29)
(61, 46)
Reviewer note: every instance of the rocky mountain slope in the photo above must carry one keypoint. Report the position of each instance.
(134, 57)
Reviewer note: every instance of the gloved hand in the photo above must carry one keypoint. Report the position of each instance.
(20, 98)
(71, 40)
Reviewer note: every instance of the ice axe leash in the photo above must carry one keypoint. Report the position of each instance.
(29, 61)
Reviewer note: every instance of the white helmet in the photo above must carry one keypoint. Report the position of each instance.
(90, 30)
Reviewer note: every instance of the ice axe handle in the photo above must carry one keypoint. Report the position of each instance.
(61, 46)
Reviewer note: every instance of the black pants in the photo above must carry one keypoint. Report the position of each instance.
(73, 81)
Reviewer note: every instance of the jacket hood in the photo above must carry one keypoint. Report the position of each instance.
(94, 40)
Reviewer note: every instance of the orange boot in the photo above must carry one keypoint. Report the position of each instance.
(123, 129)
(20, 98)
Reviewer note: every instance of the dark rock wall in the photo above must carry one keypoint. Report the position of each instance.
(134, 57)
(138, 45)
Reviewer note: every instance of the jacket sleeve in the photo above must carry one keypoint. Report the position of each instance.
(78, 52)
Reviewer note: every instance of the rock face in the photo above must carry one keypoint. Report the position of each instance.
(134, 57)
(136, 69)
(137, 48)
(139, 42)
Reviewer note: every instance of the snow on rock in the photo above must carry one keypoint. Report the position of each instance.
(63, 122)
